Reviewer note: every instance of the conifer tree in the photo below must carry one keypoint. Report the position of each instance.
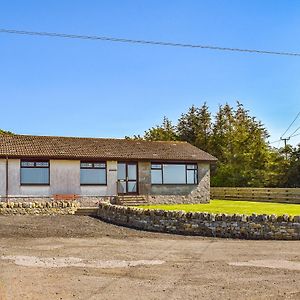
(195, 127)
(164, 132)
(239, 141)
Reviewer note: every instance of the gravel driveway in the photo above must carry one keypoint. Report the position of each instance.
(72, 257)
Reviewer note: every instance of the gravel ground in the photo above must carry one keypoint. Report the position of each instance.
(72, 257)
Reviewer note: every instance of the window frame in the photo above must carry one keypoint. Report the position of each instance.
(34, 161)
(93, 168)
(161, 168)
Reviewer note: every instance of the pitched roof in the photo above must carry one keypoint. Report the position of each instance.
(29, 146)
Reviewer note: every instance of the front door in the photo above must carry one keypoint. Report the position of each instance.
(127, 178)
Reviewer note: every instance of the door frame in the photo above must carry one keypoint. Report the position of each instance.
(126, 178)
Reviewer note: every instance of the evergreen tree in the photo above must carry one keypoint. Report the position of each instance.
(239, 141)
(164, 132)
(195, 127)
(220, 143)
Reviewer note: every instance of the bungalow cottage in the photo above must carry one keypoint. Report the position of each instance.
(94, 168)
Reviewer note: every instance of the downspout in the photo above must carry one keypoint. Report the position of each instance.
(6, 181)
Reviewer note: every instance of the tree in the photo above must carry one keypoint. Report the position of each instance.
(195, 127)
(276, 168)
(164, 132)
(5, 132)
(238, 140)
(222, 132)
(241, 147)
(292, 178)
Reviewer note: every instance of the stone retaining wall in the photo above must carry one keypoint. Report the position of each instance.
(39, 208)
(93, 201)
(84, 201)
(203, 224)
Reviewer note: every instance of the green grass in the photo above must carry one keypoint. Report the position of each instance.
(233, 207)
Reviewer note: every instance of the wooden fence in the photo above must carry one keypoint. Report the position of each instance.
(281, 195)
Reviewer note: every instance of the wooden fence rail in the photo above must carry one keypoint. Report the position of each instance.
(280, 195)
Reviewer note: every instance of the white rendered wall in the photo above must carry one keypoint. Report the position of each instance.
(112, 178)
(14, 186)
(2, 177)
(64, 179)
(108, 190)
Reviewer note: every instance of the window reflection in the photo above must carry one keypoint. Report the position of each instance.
(174, 173)
(92, 173)
(34, 172)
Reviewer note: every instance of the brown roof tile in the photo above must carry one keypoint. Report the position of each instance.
(27, 146)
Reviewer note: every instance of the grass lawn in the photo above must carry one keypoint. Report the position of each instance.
(234, 207)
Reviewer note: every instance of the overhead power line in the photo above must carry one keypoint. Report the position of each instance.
(291, 124)
(291, 136)
(144, 42)
(275, 142)
(295, 132)
(295, 135)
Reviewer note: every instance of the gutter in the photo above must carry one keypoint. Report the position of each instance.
(121, 159)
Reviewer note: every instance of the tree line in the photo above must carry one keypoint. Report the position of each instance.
(238, 140)
(5, 132)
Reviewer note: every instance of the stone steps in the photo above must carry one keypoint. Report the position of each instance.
(131, 200)
(86, 211)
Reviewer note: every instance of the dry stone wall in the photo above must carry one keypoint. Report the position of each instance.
(203, 224)
(84, 201)
(39, 208)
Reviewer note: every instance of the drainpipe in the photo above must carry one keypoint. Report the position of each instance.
(6, 181)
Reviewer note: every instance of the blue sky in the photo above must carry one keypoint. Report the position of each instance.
(53, 86)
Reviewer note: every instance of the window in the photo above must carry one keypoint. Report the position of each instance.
(35, 172)
(191, 174)
(174, 173)
(156, 174)
(93, 173)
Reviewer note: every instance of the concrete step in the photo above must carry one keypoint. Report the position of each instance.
(134, 204)
(131, 196)
(137, 202)
(86, 211)
(131, 200)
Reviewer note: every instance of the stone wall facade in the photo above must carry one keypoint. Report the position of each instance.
(175, 199)
(184, 189)
(204, 224)
(174, 193)
(39, 208)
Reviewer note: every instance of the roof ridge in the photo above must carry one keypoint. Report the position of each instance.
(63, 136)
